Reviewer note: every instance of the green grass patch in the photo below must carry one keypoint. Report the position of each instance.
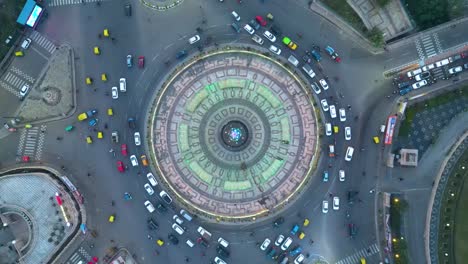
(461, 228)
(343, 9)
(430, 13)
(9, 11)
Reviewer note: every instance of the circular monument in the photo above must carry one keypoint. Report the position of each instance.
(233, 135)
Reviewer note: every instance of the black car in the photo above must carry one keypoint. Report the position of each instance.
(152, 225)
(254, 24)
(275, 30)
(352, 230)
(223, 252)
(128, 9)
(278, 222)
(181, 54)
(131, 123)
(173, 239)
(161, 208)
(236, 27)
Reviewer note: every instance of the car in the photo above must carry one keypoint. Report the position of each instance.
(261, 21)
(455, 70)
(186, 215)
(165, 197)
(131, 122)
(331, 150)
(403, 85)
(141, 62)
(328, 129)
(286, 243)
(332, 111)
(279, 240)
(347, 133)
(149, 206)
(203, 232)
(269, 36)
(24, 91)
(352, 229)
(465, 66)
(249, 29)
(189, 243)
(428, 67)
(137, 138)
(316, 88)
(174, 240)
(161, 207)
(325, 176)
(152, 225)
(349, 153)
(418, 85)
(134, 160)
(181, 54)
(325, 106)
(128, 9)
(223, 242)
(254, 24)
(217, 260)
(422, 76)
(316, 55)
(275, 30)
(148, 189)
(342, 113)
(275, 50)
(151, 179)
(115, 137)
(129, 61)
(222, 251)
(336, 203)
(177, 219)
(202, 242)
(414, 72)
(288, 42)
(294, 230)
(236, 27)
(332, 54)
(442, 63)
(265, 244)
(406, 90)
(306, 59)
(26, 43)
(144, 160)
(123, 85)
(123, 149)
(296, 250)
(324, 206)
(299, 259)
(324, 84)
(308, 70)
(293, 60)
(115, 93)
(120, 166)
(178, 229)
(194, 39)
(341, 175)
(257, 39)
(235, 15)
(279, 221)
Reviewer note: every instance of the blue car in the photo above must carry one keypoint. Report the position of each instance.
(93, 122)
(294, 230)
(406, 90)
(325, 176)
(316, 55)
(295, 251)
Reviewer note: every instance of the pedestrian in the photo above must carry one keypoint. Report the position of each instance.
(401, 179)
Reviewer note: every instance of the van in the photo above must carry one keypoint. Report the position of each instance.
(223, 242)
(235, 15)
(204, 233)
(349, 153)
(185, 215)
(328, 129)
(123, 85)
(293, 60)
(308, 70)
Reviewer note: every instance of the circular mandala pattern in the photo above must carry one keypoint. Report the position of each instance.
(234, 135)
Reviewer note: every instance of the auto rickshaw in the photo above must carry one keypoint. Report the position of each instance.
(111, 218)
(104, 77)
(110, 112)
(301, 235)
(89, 140)
(96, 50)
(160, 242)
(28, 126)
(69, 128)
(99, 135)
(106, 32)
(19, 53)
(306, 222)
(376, 140)
(336, 129)
(89, 80)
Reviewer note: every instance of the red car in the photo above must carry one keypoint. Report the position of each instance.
(141, 62)
(261, 21)
(120, 166)
(123, 149)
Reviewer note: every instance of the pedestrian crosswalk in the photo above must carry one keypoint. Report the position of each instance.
(363, 253)
(43, 42)
(53, 3)
(428, 46)
(31, 143)
(80, 255)
(14, 79)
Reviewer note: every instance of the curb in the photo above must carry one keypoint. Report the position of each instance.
(161, 7)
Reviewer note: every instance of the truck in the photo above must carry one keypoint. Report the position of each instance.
(85, 115)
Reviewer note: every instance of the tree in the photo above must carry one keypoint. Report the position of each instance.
(375, 35)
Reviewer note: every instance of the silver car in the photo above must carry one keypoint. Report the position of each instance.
(275, 50)
(115, 93)
(134, 160)
(129, 61)
(148, 189)
(137, 138)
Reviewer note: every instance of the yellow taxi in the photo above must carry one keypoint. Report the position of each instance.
(301, 235)
(144, 160)
(363, 261)
(89, 80)
(19, 54)
(110, 112)
(306, 222)
(104, 77)
(106, 32)
(336, 129)
(82, 116)
(89, 140)
(160, 242)
(111, 218)
(96, 50)
(99, 134)
(376, 140)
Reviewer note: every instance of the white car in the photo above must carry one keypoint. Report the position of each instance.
(194, 39)
(293, 60)
(315, 88)
(279, 240)
(235, 15)
(148, 189)
(177, 219)
(269, 36)
(328, 129)
(165, 197)
(455, 70)
(342, 176)
(336, 203)
(349, 154)
(129, 61)
(178, 229)
(325, 106)
(115, 93)
(428, 67)
(223, 242)
(442, 63)
(347, 133)
(324, 84)
(332, 111)
(123, 85)
(286, 243)
(249, 29)
(219, 261)
(265, 244)
(24, 91)
(26, 43)
(299, 259)
(149, 206)
(151, 179)
(137, 138)
(134, 160)
(413, 73)
(419, 84)
(257, 39)
(275, 50)
(324, 206)
(342, 113)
